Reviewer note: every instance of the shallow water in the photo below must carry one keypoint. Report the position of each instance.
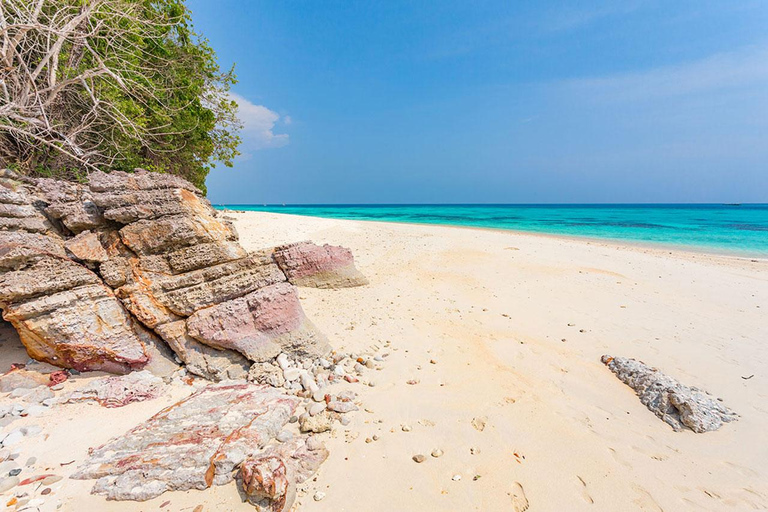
(736, 229)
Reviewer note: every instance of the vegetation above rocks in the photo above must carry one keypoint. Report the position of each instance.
(111, 84)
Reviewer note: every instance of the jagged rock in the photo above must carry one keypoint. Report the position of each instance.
(87, 247)
(204, 255)
(269, 478)
(326, 266)
(118, 391)
(19, 249)
(200, 359)
(318, 423)
(48, 275)
(70, 203)
(189, 292)
(189, 445)
(259, 325)
(140, 179)
(83, 328)
(678, 405)
(169, 233)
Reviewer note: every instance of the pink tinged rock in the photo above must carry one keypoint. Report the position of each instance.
(326, 266)
(269, 478)
(87, 247)
(200, 359)
(189, 445)
(259, 325)
(118, 391)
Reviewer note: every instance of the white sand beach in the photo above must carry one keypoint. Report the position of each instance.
(505, 329)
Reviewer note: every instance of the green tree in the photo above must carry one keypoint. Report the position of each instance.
(111, 84)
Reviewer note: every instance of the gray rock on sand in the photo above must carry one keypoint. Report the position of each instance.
(678, 405)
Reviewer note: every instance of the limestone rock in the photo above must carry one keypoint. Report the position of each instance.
(168, 233)
(190, 445)
(318, 266)
(189, 292)
(83, 328)
(259, 325)
(87, 247)
(118, 391)
(269, 478)
(70, 203)
(200, 359)
(678, 405)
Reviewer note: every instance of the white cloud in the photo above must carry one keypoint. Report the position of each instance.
(258, 125)
(747, 67)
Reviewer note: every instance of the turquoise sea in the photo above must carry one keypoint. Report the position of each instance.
(736, 229)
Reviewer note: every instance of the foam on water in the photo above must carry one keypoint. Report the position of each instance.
(736, 229)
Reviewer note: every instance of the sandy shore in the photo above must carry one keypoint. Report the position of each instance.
(507, 328)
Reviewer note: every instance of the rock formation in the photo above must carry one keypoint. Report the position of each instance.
(678, 405)
(327, 266)
(91, 275)
(136, 271)
(192, 444)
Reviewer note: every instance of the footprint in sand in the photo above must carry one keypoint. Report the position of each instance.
(519, 501)
(584, 491)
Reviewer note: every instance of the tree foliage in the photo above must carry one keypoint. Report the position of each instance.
(111, 84)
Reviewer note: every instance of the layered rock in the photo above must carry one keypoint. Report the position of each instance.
(678, 405)
(319, 266)
(89, 268)
(192, 444)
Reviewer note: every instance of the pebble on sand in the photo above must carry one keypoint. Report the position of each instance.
(437, 452)
(419, 458)
(319, 495)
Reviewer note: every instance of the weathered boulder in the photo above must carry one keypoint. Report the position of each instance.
(71, 204)
(200, 359)
(269, 478)
(678, 405)
(259, 325)
(192, 444)
(318, 266)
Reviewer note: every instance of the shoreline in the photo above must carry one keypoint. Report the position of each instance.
(618, 243)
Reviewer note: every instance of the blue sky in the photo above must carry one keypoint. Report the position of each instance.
(494, 101)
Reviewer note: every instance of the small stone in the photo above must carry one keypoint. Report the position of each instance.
(14, 437)
(432, 361)
(31, 461)
(46, 491)
(437, 452)
(291, 374)
(318, 396)
(369, 363)
(412, 382)
(50, 480)
(359, 368)
(419, 458)
(368, 440)
(316, 409)
(341, 407)
(375, 437)
(378, 358)
(456, 478)
(284, 436)
(372, 384)
(406, 428)
(14, 472)
(293, 419)
(318, 496)
(345, 420)
(9, 483)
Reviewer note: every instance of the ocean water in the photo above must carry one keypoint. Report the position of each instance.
(735, 229)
